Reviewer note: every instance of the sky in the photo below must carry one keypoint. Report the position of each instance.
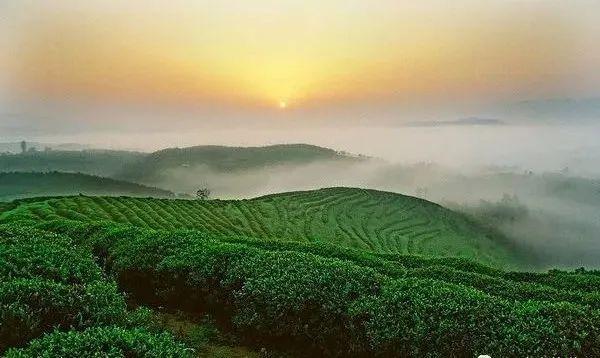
(77, 66)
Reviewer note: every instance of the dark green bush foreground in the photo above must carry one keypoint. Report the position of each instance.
(325, 300)
(17, 185)
(48, 283)
(29, 307)
(103, 342)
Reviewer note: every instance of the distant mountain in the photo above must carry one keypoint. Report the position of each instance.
(468, 121)
(554, 109)
(25, 185)
(104, 163)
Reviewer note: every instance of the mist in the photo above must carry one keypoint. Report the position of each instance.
(527, 146)
(551, 213)
(551, 166)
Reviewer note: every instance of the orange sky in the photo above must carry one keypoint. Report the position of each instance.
(303, 53)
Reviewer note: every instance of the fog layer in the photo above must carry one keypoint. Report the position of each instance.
(554, 211)
(532, 147)
(552, 171)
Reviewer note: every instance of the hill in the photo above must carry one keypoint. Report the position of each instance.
(560, 109)
(23, 185)
(225, 159)
(178, 169)
(96, 162)
(372, 220)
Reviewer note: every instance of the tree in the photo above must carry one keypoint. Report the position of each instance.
(23, 147)
(203, 193)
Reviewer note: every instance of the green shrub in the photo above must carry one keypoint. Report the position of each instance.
(103, 342)
(325, 300)
(374, 221)
(587, 281)
(31, 253)
(336, 307)
(511, 290)
(30, 307)
(417, 317)
(46, 282)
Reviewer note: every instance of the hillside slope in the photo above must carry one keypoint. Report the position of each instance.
(23, 185)
(366, 219)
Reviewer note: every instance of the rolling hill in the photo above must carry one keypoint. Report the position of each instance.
(18, 185)
(372, 220)
(152, 167)
(176, 169)
(95, 162)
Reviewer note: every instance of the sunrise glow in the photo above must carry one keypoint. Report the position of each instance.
(314, 53)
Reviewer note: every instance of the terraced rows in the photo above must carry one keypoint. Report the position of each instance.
(367, 219)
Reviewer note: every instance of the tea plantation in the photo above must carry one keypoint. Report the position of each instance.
(366, 219)
(82, 276)
(18, 185)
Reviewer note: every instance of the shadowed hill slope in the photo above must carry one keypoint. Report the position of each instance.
(24, 185)
(366, 219)
(95, 162)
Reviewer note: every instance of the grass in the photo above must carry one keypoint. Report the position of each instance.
(370, 220)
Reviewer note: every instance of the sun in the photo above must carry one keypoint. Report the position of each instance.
(282, 104)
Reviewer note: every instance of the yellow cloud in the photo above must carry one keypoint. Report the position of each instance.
(298, 52)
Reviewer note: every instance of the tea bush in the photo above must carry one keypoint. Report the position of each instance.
(340, 303)
(103, 342)
(313, 298)
(30, 307)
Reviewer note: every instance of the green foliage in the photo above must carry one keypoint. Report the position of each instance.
(511, 289)
(133, 248)
(350, 302)
(411, 316)
(330, 295)
(17, 185)
(95, 162)
(369, 220)
(47, 282)
(28, 253)
(586, 281)
(103, 342)
(29, 307)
